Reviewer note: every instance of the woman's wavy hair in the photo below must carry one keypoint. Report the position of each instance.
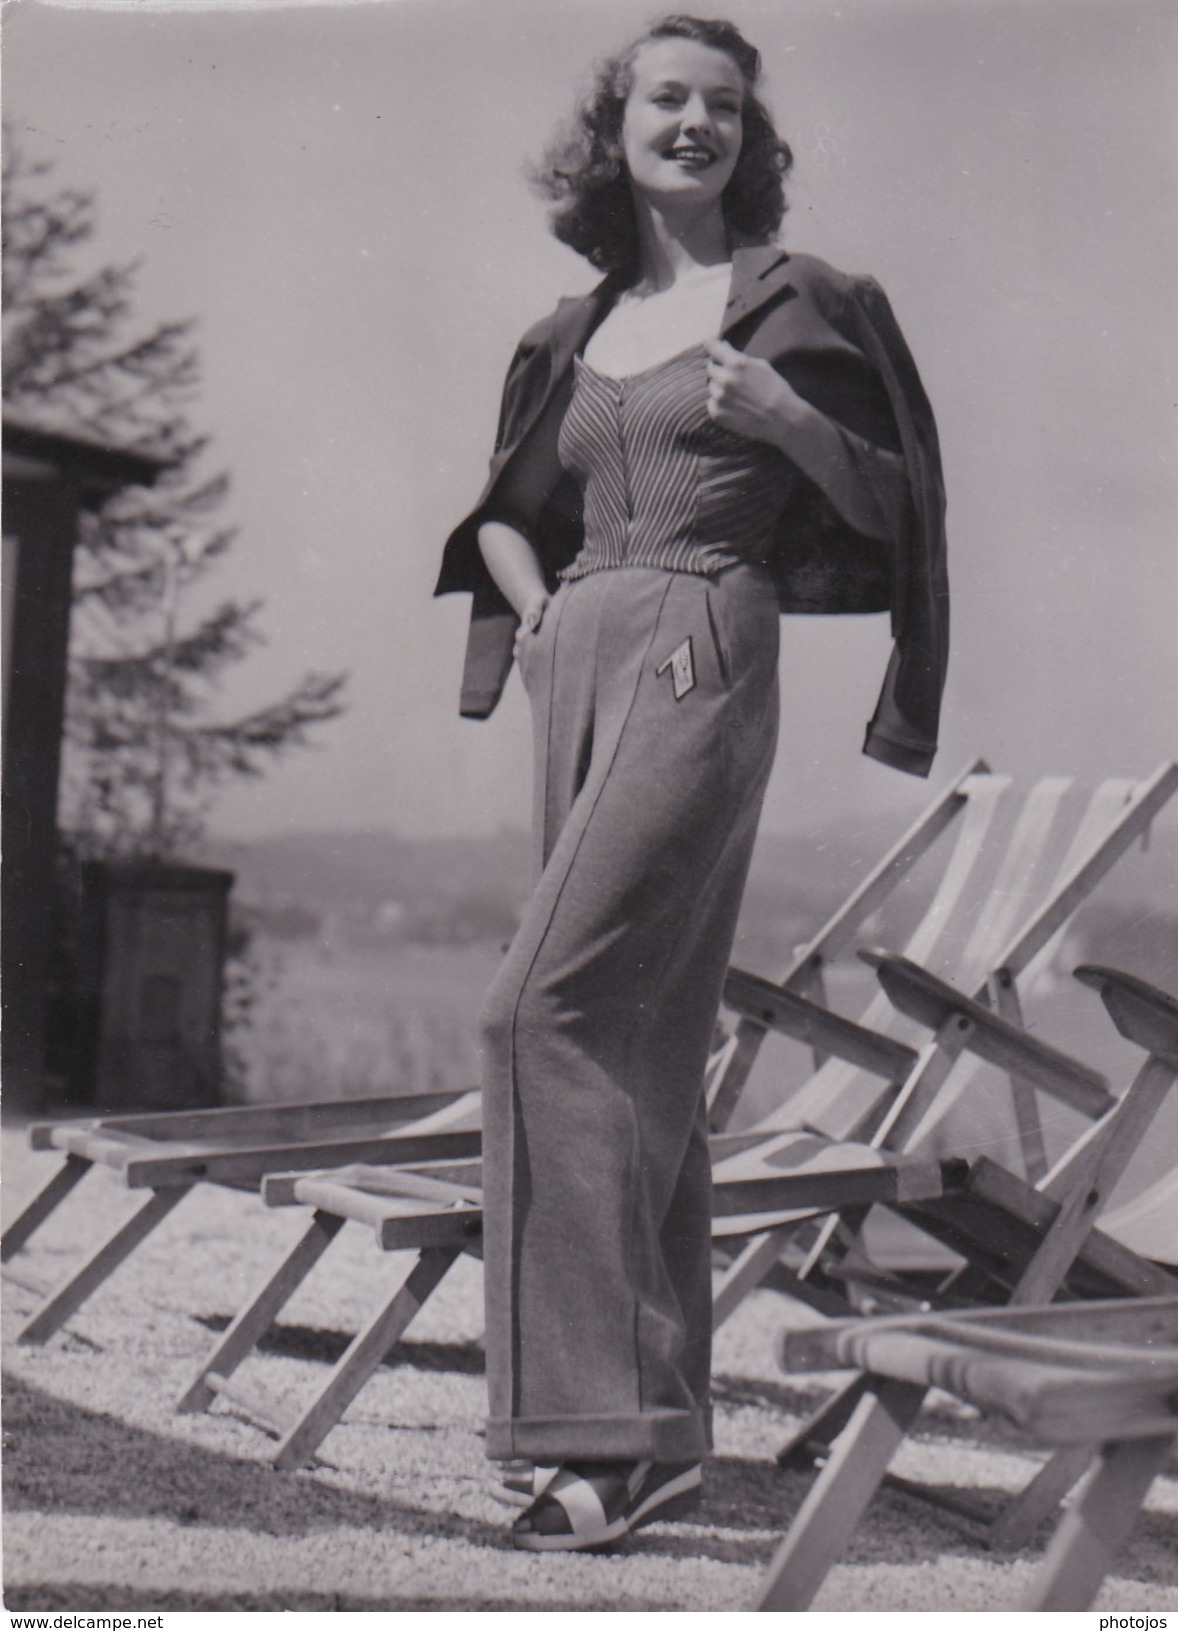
(584, 170)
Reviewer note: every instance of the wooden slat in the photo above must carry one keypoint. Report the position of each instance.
(859, 1185)
(934, 1003)
(364, 1182)
(912, 1349)
(82, 1284)
(1141, 1012)
(974, 792)
(1033, 1212)
(1132, 1323)
(363, 1354)
(827, 1517)
(72, 1170)
(259, 1314)
(42, 1133)
(1083, 1181)
(1096, 1527)
(249, 1165)
(819, 1028)
(281, 1122)
(1004, 996)
(1149, 797)
(837, 1100)
(1037, 1500)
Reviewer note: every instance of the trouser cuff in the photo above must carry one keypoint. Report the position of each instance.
(665, 1435)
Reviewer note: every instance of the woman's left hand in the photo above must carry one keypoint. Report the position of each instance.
(748, 395)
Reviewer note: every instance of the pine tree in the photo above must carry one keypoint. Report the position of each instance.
(145, 751)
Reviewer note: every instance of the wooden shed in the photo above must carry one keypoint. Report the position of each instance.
(51, 477)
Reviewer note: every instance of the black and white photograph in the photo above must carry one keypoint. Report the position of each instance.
(590, 823)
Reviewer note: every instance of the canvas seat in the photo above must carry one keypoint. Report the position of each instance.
(1029, 1243)
(1097, 1380)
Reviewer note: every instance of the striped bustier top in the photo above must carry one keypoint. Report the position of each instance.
(664, 485)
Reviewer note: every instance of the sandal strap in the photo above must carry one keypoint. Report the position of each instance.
(582, 1504)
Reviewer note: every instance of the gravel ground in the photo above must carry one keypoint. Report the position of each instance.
(113, 1501)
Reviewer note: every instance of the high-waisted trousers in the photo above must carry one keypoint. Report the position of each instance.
(655, 704)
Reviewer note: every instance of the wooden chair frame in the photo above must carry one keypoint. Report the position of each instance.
(1118, 814)
(1054, 1224)
(435, 1212)
(167, 1154)
(1096, 1381)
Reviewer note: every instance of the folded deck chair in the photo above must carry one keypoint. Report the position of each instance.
(434, 1211)
(1099, 1380)
(842, 1100)
(167, 1153)
(1023, 1243)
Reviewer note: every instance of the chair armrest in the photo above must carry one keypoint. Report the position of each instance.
(1140, 1011)
(770, 1005)
(933, 1003)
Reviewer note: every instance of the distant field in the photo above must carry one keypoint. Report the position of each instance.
(347, 1022)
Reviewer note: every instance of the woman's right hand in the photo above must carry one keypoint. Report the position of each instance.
(530, 618)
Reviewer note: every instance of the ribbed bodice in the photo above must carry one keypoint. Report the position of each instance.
(664, 485)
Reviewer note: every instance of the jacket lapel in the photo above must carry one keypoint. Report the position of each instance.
(574, 321)
(759, 273)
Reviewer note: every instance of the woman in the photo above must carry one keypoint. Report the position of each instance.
(718, 432)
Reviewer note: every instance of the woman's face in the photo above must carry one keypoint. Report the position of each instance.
(681, 128)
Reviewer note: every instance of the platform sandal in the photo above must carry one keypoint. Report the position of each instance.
(519, 1483)
(590, 1504)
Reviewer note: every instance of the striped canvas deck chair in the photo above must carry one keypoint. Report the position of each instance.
(1094, 1380)
(972, 804)
(1021, 1243)
(434, 1211)
(161, 1156)
(1016, 935)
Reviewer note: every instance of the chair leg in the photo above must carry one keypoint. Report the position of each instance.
(1026, 1511)
(70, 1297)
(840, 1496)
(362, 1356)
(745, 1274)
(823, 1425)
(256, 1318)
(73, 1170)
(1094, 1529)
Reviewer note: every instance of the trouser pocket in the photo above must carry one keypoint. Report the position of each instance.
(723, 661)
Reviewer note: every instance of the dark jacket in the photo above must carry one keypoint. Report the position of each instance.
(865, 534)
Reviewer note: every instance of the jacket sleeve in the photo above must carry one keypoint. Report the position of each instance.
(865, 481)
(527, 488)
(462, 564)
(903, 730)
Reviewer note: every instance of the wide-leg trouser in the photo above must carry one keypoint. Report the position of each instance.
(597, 1184)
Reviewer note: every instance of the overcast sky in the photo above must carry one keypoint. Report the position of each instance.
(337, 193)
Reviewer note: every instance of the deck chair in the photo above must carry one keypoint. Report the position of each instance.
(974, 798)
(167, 1153)
(1026, 1243)
(976, 901)
(434, 1211)
(1096, 1379)
(842, 1101)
